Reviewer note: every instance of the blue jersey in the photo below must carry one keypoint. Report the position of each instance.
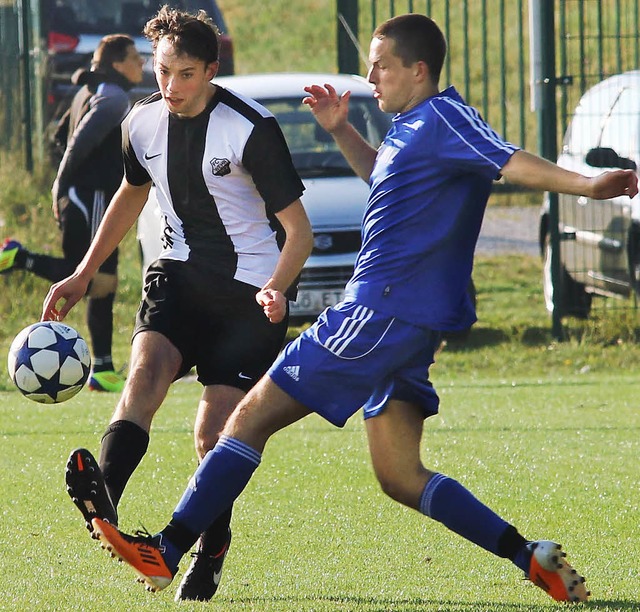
(429, 188)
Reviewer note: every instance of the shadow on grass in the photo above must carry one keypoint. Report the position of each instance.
(480, 337)
(380, 604)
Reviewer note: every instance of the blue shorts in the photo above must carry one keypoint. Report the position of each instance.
(353, 357)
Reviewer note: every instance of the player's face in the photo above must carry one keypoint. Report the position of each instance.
(184, 81)
(131, 66)
(394, 84)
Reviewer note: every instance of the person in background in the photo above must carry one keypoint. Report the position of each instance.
(235, 237)
(88, 176)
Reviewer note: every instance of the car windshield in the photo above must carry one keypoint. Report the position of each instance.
(91, 17)
(313, 150)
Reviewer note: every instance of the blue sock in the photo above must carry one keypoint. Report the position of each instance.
(448, 502)
(218, 481)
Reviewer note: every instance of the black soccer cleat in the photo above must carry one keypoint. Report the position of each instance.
(85, 485)
(202, 578)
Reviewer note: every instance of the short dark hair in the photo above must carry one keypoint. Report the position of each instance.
(194, 35)
(417, 38)
(111, 48)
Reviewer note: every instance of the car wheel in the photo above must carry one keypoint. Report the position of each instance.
(573, 300)
(634, 257)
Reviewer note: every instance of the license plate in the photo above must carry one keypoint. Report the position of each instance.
(314, 301)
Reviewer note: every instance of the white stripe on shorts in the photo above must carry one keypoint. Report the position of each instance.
(349, 330)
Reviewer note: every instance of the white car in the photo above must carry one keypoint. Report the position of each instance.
(599, 240)
(334, 197)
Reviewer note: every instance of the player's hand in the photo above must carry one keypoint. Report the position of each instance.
(614, 183)
(329, 109)
(273, 303)
(71, 290)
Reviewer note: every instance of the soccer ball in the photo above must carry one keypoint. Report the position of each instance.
(49, 362)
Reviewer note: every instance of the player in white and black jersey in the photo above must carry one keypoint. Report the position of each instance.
(235, 238)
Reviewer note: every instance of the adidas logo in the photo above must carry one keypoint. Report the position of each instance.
(293, 371)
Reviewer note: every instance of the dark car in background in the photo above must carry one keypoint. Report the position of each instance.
(73, 28)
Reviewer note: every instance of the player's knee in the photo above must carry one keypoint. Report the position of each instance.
(396, 488)
(391, 486)
(204, 441)
(102, 285)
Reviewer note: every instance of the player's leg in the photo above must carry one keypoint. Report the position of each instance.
(216, 484)
(100, 299)
(329, 369)
(75, 242)
(96, 487)
(394, 441)
(201, 580)
(155, 363)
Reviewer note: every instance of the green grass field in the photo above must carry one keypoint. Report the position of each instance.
(313, 532)
(547, 433)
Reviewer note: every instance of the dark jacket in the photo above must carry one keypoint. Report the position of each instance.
(93, 153)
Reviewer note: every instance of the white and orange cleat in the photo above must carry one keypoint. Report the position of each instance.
(550, 571)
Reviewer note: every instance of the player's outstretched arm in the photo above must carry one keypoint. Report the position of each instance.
(535, 172)
(331, 112)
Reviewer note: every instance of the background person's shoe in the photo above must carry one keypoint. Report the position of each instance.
(550, 571)
(8, 253)
(85, 485)
(108, 380)
(143, 552)
(202, 578)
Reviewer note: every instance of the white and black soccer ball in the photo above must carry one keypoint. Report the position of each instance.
(49, 362)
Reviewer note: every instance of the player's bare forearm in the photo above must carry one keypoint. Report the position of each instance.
(331, 112)
(357, 151)
(297, 246)
(296, 250)
(535, 172)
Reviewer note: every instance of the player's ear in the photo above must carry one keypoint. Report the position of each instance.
(421, 71)
(212, 70)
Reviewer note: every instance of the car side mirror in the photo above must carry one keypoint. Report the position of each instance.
(605, 157)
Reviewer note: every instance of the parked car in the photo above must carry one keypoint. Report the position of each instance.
(599, 240)
(73, 28)
(334, 197)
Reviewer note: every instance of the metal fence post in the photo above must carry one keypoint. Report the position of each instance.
(24, 17)
(348, 48)
(544, 100)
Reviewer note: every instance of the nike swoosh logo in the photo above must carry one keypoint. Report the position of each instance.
(152, 156)
(244, 376)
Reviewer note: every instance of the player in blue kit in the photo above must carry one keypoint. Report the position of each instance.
(429, 180)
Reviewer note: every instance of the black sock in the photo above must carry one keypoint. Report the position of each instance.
(123, 446)
(51, 268)
(180, 536)
(215, 538)
(100, 324)
(510, 543)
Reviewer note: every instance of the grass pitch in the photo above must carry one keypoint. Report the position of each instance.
(313, 532)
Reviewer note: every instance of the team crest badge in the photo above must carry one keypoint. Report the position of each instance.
(220, 167)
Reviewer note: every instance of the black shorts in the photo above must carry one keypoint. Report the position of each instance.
(80, 213)
(214, 322)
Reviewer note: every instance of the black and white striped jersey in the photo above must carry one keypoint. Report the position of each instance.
(220, 177)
